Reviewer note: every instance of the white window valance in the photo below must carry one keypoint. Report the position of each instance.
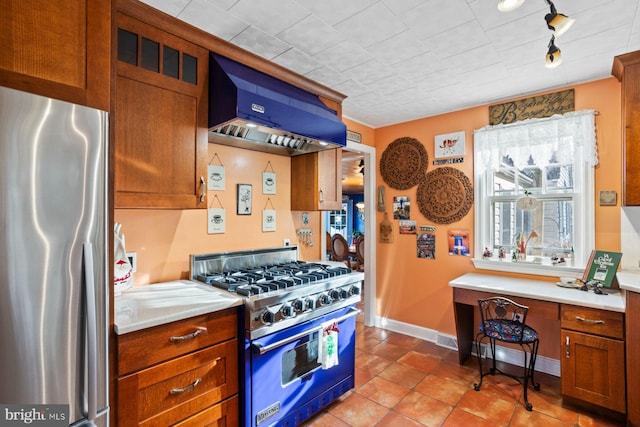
(559, 139)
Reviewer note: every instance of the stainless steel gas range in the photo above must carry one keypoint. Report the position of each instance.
(289, 306)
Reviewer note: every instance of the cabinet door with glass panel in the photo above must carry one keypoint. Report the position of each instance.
(341, 221)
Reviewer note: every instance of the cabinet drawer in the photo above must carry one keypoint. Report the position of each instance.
(224, 414)
(172, 391)
(144, 348)
(593, 321)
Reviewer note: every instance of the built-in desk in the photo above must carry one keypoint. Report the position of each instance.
(549, 301)
(542, 298)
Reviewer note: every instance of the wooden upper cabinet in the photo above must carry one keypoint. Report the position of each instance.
(57, 49)
(626, 68)
(159, 118)
(316, 181)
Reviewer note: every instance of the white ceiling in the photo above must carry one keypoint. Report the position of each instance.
(400, 60)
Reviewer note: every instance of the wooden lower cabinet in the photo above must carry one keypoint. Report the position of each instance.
(593, 357)
(192, 381)
(633, 356)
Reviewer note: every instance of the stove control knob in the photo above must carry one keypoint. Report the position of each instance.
(299, 305)
(268, 317)
(288, 311)
(355, 290)
(324, 299)
(335, 294)
(345, 293)
(309, 304)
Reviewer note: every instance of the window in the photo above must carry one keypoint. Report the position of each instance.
(550, 160)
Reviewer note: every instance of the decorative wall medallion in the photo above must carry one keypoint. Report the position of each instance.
(445, 196)
(404, 163)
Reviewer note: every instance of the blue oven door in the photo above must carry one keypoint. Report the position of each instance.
(287, 383)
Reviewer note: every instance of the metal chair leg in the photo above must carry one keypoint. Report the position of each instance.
(476, 386)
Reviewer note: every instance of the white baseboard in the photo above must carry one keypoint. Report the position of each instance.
(505, 354)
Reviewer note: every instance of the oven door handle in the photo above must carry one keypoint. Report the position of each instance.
(262, 349)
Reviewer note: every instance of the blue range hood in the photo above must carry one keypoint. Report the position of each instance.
(250, 109)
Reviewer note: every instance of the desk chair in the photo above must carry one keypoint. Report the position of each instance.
(504, 320)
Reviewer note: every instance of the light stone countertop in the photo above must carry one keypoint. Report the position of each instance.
(145, 306)
(540, 290)
(629, 280)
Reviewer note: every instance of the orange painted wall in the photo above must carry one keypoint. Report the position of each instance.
(368, 134)
(164, 239)
(416, 291)
(409, 289)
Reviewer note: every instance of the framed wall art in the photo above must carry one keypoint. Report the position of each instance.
(449, 145)
(245, 192)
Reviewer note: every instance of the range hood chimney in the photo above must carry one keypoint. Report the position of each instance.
(250, 109)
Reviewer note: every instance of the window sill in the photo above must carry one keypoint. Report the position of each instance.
(528, 267)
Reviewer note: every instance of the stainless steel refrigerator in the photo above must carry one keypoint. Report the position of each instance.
(53, 259)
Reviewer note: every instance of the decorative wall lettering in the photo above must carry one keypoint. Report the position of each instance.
(535, 107)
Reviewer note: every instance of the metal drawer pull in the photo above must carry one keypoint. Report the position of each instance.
(203, 193)
(566, 348)
(188, 336)
(187, 388)
(595, 322)
(263, 349)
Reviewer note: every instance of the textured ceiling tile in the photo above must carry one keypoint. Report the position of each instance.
(271, 16)
(169, 7)
(398, 7)
(436, 16)
(401, 59)
(351, 87)
(210, 18)
(311, 35)
(457, 39)
(344, 56)
(419, 66)
(297, 61)
(327, 76)
(398, 48)
(369, 73)
(335, 11)
(371, 26)
(257, 41)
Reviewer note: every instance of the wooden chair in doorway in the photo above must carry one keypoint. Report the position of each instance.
(360, 254)
(340, 249)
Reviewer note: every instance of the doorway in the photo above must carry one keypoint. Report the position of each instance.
(354, 153)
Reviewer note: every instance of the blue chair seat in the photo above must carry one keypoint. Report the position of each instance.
(508, 331)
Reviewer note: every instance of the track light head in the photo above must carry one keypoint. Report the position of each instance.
(554, 55)
(509, 5)
(557, 22)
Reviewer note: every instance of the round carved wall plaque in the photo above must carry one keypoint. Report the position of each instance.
(403, 163)
(445, 196)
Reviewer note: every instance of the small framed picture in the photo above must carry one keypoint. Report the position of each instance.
(244, 199)
(449, 145)
(268, 183)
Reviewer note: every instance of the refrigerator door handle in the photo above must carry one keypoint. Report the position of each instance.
(92, 333)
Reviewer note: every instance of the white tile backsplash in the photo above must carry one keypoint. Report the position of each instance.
(630, 237)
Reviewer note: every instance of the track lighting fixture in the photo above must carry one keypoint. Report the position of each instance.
(557, 22)
(509, 5)
(554, 57)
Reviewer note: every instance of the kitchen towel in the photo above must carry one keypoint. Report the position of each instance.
(328, 345)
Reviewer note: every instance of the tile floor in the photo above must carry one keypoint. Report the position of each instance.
(405, 381)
